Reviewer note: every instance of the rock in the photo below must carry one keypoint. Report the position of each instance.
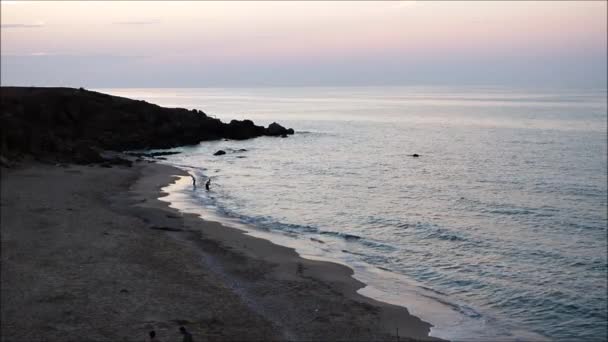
(290, 131)
(151, 154)
(275, 130)
(137, 154)
(167, 229)
(245, 129)
(155, 154)
(415, 155)
(219, 153)
(283, 135)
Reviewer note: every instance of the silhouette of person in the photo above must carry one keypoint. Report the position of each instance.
(153, 336)
(187, 335)
(207, 184)
(193, 181)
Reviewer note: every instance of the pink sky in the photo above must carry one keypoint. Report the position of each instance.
(249, 34)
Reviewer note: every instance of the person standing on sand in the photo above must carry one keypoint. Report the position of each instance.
(153, 336)
(187, 335)
(208, 183)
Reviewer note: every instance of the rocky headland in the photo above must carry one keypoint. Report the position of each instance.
(75, 125)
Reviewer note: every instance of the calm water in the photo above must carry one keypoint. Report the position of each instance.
(498, 230)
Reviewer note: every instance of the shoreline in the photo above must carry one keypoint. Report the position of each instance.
(173, 268)
(419, 301)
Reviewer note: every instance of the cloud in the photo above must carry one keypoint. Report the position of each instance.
(40, 54)
(35, 25)
(137, 22)
(54, 55)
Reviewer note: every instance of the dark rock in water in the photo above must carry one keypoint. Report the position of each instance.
(242, 150)
(275, 130)
(239, 130)
(138, 154)
(151, 154)
(155, 154)
(52, 123)
(167, 229)
(415, 155)
(219, 153)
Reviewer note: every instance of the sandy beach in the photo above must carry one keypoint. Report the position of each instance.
(90, 253)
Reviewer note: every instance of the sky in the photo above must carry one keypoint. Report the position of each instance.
(306, 43)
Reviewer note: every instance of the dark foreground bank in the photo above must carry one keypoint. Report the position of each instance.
(89, 253)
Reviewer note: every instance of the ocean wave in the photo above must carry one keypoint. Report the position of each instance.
(433, 231)
(509, 211)
(345, 236)
(270, 224)
(427, 230)
(460, 308)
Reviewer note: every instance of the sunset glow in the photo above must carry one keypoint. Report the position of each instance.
(196, 38)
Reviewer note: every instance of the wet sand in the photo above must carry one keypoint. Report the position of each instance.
(90, 253)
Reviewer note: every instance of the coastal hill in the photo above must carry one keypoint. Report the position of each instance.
(75, 124)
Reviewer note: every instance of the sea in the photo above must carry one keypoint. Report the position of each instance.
(497, 231)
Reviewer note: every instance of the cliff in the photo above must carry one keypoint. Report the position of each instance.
(61, 123)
